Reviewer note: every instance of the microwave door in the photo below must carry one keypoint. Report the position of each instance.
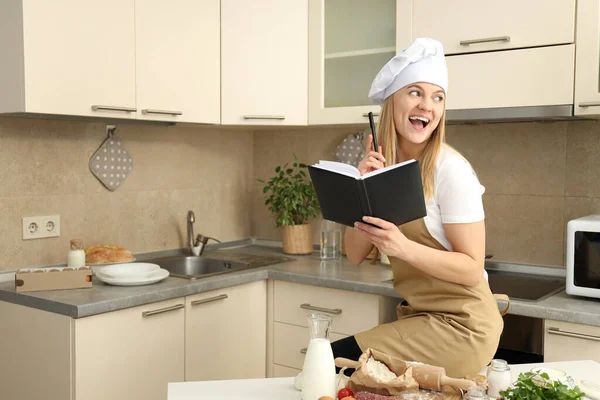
(587, 260)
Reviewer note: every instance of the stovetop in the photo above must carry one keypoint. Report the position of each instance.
(522, 286)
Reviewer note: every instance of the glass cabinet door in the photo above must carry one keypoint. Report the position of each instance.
(360, 37)
(349, 42)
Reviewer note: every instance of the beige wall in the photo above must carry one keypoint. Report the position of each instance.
(537, 177)
(44, 170)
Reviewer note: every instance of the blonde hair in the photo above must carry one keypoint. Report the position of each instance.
(388, 139)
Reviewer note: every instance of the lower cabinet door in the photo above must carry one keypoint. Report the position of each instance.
(130, 354)
(226, 333)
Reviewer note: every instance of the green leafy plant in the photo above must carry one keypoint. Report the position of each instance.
(290, 194)
(529, 386)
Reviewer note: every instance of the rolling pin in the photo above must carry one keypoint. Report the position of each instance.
(427, 376)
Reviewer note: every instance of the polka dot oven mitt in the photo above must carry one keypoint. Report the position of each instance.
(351, 150)
(111, 163)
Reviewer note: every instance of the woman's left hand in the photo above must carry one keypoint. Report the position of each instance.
(387, 238)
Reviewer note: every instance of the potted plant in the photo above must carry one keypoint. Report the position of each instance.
(291, 198)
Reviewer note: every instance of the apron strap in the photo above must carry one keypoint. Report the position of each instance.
(505, 298)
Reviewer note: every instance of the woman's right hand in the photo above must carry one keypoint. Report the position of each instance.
(373, 160)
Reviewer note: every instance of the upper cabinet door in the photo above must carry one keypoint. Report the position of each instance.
(466, 26)
(177, 60)
(79, 57)
(349, 42)
(264, 47)
(587, 58)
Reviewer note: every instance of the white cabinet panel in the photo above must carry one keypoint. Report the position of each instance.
(177, 60)
(79, 54)
(529, 77)
(226, 332)
(465, 26)
(264, 62)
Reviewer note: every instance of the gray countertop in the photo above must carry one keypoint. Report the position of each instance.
(308, 270)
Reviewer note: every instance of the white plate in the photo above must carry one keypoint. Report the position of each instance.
(157, 276)
(129, 270)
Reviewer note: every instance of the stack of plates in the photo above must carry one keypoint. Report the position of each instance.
(131, 274)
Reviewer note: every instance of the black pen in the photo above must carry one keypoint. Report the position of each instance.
(372, 123)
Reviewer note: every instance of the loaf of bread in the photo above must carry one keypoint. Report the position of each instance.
(107, 253)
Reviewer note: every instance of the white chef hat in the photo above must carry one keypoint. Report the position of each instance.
(422, 61)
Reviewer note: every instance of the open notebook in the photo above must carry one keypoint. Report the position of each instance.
(393, 193)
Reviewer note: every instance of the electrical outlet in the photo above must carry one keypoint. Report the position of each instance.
(41, 227)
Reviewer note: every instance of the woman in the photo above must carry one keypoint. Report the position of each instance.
(449, 317)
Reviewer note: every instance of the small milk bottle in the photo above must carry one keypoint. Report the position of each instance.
(318, 372)
(499, 377)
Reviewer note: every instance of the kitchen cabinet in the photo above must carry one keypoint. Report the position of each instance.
(352, 312)
(226, 333)
(130, 353)
(517, 78)
(120, 59)
(565, 341)
(349, 42)
(587, 59)
(467, 26)
(178, 60)
(264, 73)
(68, 57)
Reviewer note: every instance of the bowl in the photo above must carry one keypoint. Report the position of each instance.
(129, 270)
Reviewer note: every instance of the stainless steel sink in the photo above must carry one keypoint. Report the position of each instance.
(193, 267)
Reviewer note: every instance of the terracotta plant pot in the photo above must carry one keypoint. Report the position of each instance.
(297, 239)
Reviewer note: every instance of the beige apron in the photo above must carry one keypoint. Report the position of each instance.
(440, 323)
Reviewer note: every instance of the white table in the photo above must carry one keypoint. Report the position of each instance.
(283, 388)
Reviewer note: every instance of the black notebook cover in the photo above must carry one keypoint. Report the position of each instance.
(395, 195)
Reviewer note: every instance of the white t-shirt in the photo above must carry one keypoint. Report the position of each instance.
(456, 195)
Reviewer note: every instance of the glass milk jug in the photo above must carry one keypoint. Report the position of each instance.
(318, 372)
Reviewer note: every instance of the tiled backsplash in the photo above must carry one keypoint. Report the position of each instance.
(537, 177)
(44, 170)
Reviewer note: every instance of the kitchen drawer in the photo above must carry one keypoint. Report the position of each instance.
(517, 78)
(279, 371)
(352, 312)
(565, 341)
(519, 23)
(289, 341)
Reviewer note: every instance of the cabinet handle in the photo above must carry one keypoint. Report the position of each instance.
(307, 306)
(557, 331)
(163, 310)
(210, 299)
(113, 108)
(485, 40)
(303, 351)
(279, 117)
(162, 112)
(367, 114)
(590, 104)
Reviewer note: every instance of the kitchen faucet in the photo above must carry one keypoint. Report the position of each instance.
(196, 247)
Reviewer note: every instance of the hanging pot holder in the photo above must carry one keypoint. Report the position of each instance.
(111, 163)
(351, 150)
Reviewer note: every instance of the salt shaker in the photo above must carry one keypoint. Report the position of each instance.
(499, 377)
(475, 393)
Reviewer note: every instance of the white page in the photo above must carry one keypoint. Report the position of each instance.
(381, 170)
(339, 167)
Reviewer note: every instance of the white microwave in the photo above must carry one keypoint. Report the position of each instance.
(583, 256)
